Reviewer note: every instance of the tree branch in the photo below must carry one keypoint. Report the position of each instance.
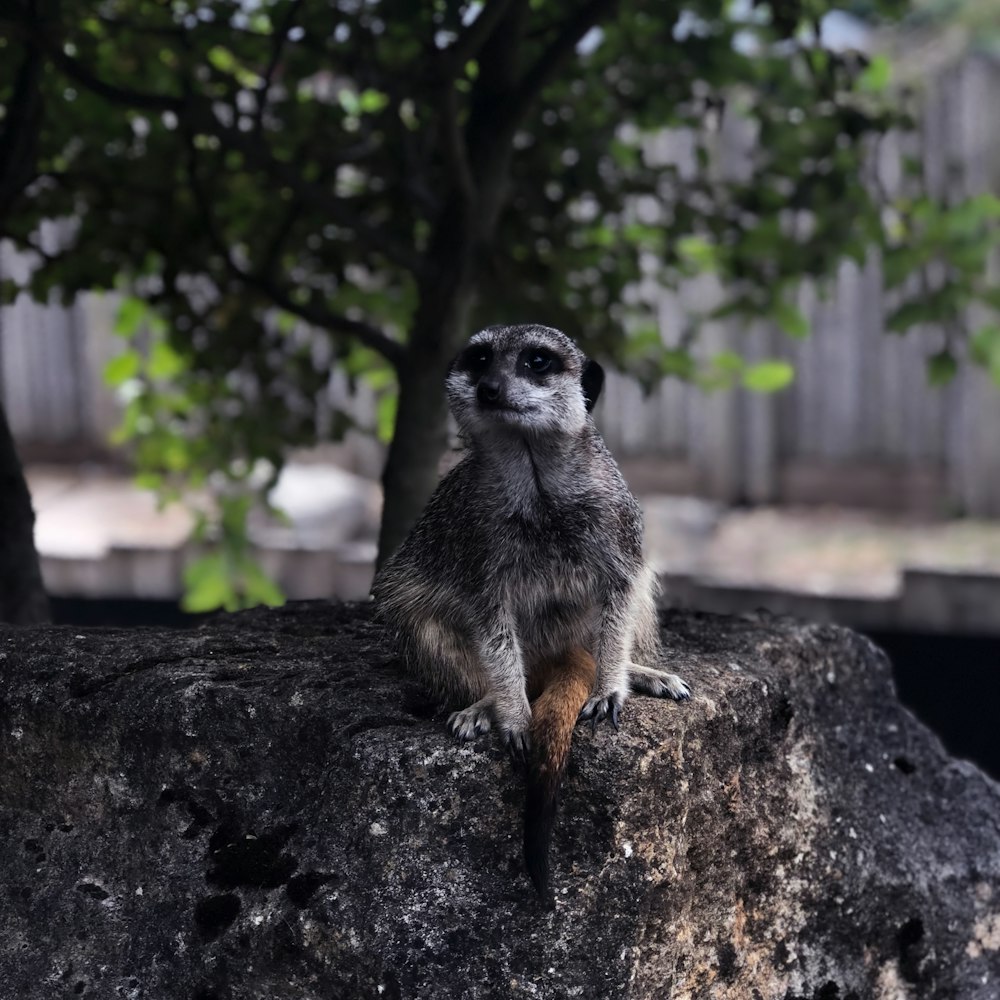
(365, 333)
(326, 319)
(334, 208)
(281, 37)
(277, 241)
(455, 148)
(560, 49)
(19, 131)
(468, 44)
(198, 115)
(138, 99)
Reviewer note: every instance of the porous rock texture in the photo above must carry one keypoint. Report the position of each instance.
(263, 807)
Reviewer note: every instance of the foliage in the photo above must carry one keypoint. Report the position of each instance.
(976, 23)
(283, 187)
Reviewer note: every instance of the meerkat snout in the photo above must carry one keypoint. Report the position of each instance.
(488, 391)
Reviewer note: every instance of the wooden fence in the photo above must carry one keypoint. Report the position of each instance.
(859, 425)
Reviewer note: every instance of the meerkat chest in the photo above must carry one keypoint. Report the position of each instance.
(551, 566)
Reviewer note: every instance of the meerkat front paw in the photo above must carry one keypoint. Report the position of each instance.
(514, 723)
(671, 686)
(603, 706)
(657, 683)
(518, 744)
(470, 722)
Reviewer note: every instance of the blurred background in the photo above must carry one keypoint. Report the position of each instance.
(241, 240)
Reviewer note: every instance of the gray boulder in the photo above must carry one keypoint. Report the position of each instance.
(265, 808)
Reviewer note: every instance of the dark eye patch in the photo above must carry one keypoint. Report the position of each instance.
(475, 359)
(539, 361)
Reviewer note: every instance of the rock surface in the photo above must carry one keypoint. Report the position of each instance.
(264, 808)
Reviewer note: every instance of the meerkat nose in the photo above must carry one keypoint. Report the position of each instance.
(488, 391)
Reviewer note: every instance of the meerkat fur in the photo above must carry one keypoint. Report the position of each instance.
(524, 577)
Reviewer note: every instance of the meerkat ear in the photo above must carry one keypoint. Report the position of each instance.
(593, 382)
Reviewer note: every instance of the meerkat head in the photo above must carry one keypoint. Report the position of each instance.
(530, 379)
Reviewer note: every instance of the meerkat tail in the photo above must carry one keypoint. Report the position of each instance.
(568, 681)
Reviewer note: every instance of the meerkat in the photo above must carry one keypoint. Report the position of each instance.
(524, 577)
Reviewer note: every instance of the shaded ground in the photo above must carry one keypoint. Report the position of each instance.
(837, 551)
(953, 684)
(99, 535)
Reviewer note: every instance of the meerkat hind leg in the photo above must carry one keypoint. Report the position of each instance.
(657, 683)
(472, 721)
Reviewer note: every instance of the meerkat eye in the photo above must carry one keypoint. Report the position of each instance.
(540, 361)
(475, 359)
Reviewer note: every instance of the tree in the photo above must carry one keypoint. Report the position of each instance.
(394, 174)
(23, 600)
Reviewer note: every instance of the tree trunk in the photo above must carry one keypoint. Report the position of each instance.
(23, 600)
(461, 234)
(421, 432)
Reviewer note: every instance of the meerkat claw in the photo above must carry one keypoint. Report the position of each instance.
(469, 723)
(658, 683)
(518, 747)
(598, 709)
(676, 687)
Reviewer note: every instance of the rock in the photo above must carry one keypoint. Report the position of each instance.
(264, 808)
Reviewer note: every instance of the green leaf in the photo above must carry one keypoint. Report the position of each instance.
(385, 416)
(349, 101)
(768, 376)
(679, 363)
(728, 361)
(121, 368)
(642, 342)
(899, 263)
(259, 587)
(131, 313)
(165, 362)
(970, 216)
(602, 236)
(148, 480)
(286, 321)
(791, 320)
(941, 368)
(985, 344)
(129, 426)
(987, 205)
(907, 315)
(235, 510)
(371, 101)
(174, 453)
(222, 59)
(985, 350)
(207, 585)
(876, 76)
(697, 251)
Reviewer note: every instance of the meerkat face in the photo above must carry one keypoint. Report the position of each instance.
(522, 379)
